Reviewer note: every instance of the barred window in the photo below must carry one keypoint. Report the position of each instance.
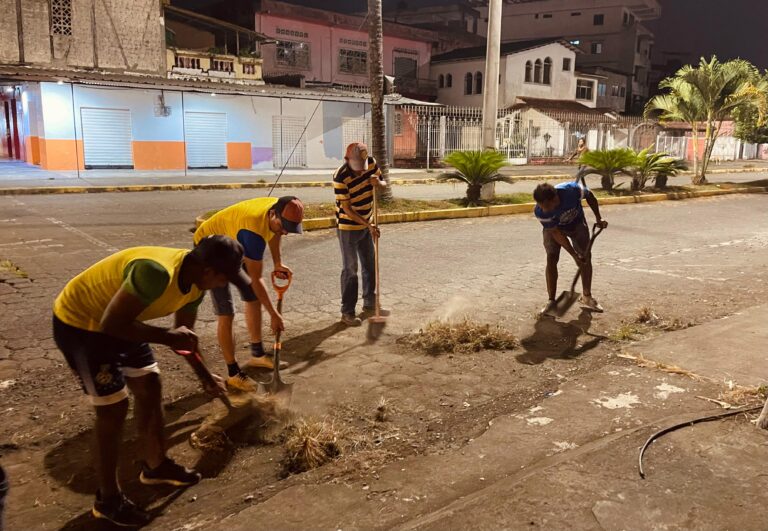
(187, 62)
(584, 89)
(353, 61)
(290, 53)
(61, 17)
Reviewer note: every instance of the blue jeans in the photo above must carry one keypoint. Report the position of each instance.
(356, 244)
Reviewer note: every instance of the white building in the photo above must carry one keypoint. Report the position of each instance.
(542, 69)
(609, 32)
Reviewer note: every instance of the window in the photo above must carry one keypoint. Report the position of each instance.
(249, 69)
(639, 45)
(406, 64)
(448, 81)
(220, 65)
(548, 15)
(584, 89)
(615, 90)
(61, 17)
(623, 92)
(468, 83)
(566, 64)
(628, 19)
(295, 54)
(353, 61)
(441, 81)
(398, 123)
(478, 83)
(576, 14)
(528, 72)
(596, 48)
(598, 20)
(537, 71)
(547, 71)
(187, 62)
(602, 89)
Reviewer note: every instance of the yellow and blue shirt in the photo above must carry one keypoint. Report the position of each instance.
(149, 273)
(247, 222)
(570, 212)
(358, 190)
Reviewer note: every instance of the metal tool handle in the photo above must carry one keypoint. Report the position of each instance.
(596, 230)
(202, 372)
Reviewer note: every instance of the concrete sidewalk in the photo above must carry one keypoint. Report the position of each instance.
(14, 174)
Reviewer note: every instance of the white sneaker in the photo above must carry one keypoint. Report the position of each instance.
(590, 303)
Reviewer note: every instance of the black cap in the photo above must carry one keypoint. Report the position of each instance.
(224, 255)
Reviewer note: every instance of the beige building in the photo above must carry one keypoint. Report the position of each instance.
(610, 33)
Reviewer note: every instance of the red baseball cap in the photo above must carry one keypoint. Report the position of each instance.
(290, 210)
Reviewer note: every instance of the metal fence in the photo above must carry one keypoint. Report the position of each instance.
(426, 134)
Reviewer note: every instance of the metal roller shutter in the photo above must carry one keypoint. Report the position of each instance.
(206, 137)
(107, 138)
(288, 137)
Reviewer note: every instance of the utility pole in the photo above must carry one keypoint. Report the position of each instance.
(491, 81)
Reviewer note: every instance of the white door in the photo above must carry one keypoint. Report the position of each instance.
(206, 137)
(356, 130)
(289, 143)
(107, 138)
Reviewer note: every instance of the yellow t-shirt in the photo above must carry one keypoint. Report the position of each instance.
(247, 222)
(84, 299)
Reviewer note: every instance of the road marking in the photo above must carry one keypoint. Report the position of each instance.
(93, 240)
(26, 242)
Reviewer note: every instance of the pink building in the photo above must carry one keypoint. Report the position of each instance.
(328, 47)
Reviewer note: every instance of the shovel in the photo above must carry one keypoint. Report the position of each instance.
(569, 298)
(376, 322)
(277, 386)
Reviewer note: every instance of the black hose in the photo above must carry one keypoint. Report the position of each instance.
(697, 420)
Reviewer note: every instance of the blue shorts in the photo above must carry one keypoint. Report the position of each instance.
(102, 362)
(222, 299)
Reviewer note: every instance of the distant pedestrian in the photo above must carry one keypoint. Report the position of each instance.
(353, 186)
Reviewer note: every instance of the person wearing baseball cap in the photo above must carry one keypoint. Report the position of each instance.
(99, 326)
(353, 187)
(257, 224)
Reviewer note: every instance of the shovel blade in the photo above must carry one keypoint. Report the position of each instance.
(564, 302)
(283, 392)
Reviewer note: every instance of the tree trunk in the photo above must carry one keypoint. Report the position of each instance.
(473, 194)
(695, 137)
(376, 79)
(606, 181)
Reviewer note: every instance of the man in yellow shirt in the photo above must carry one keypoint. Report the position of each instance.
(256, 224)
(98, 324)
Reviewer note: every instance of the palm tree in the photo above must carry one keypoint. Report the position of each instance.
(607, 164)
(657, 166)
(476, 169)
(706, 95)
(376, 78)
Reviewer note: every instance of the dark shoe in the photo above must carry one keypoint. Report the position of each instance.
(370, 312)
(120, 511)
(169, 473)
(350, 320)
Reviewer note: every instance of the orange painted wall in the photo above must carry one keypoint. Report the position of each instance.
(158, 155)
(61, 154)
(239, 156)
(33, 150)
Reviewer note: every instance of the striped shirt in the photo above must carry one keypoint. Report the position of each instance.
(357, 189)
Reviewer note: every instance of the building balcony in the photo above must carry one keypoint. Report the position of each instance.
(213, 66)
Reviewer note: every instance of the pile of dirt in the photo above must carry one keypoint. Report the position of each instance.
(460, 337)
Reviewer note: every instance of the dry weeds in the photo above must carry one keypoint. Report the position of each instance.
(310, 444)
(461, 337)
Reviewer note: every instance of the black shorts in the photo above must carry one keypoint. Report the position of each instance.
(222, 299)
(102, 362)
(579, 236)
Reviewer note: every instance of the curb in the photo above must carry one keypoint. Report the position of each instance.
(44, 190)
(522, 208)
